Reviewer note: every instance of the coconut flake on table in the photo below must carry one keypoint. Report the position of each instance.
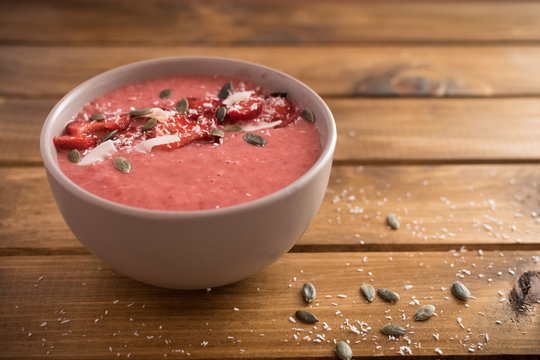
(237, 97)
(147, 145)
(100, 153)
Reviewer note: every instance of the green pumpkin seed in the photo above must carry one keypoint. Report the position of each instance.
(388, 295)
(424, 312)
(308, 292)
(278, 94)
(122, 164)
(393, 330)
(225, 91)
(308, 116)
(140, 112)
(74, 156)
(109, 136)
(392, 220)
(217, 132)
(165, 93)
(97, 117)
(343, 350)
(182, 106)
(368, 291)
(149, 124)
(220, 114)
(306, 317)
(254, 139)
(233, 128)
(460, 291)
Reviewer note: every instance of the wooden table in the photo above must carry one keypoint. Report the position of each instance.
(438, 116)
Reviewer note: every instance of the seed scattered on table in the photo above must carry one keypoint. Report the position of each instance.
(460, 291)
(368, 291)
(388, 295)
(393, 330)
(343, 350)
(392, 220)
(424, 312)
(306, 317)
(308, 292)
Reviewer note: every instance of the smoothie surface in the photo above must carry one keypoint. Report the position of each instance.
(205, 172)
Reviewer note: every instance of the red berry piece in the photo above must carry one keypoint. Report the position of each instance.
(80, 128)
(118, 122)
(245, 110)
(74, 142)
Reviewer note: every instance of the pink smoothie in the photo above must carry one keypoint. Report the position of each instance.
(201, 174)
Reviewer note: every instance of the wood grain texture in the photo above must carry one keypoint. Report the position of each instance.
(369, 130)
(342, 71)
(439, 207)
(265, 22)
(55, 306)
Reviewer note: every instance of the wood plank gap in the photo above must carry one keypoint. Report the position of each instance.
(306, 248)
(25, 251)
(406, 162)
(380, 247)
(237, 44)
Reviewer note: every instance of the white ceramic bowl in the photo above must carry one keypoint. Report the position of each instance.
(190, 249)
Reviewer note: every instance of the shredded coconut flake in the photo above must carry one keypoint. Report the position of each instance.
(147, 145)
(237, 97)
(100, 153)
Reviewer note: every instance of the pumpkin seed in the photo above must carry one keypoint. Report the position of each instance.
(393, 330)
(225, 91)
(122, 164)
(308, 292)
(140, 112)
(220, 114)
(254, 139)
(388, 295)
(460, 291)
(343, 350)
(109, 136)
(306, 317)
(233, 128)
(97, 117)
(279, 94)
(424, 312)
(74, 156)
(392, 221)
(217, 132)
(368, 291)
(182, 106)
(149, 124)
(308, 115)
(165, 93)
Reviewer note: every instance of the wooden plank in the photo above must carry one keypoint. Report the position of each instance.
(369, 130)
(265, 22)
(344, 71)
(72, 306)
(439, 207)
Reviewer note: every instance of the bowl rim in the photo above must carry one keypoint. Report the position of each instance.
(53, 169)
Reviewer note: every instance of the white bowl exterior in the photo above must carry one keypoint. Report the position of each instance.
(190, 250)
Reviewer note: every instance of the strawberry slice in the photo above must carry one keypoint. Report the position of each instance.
(117, 122)
(74, 142)
(245, 110)
(80, 128)
(278, 108)
(187, 130)
(202, 108)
